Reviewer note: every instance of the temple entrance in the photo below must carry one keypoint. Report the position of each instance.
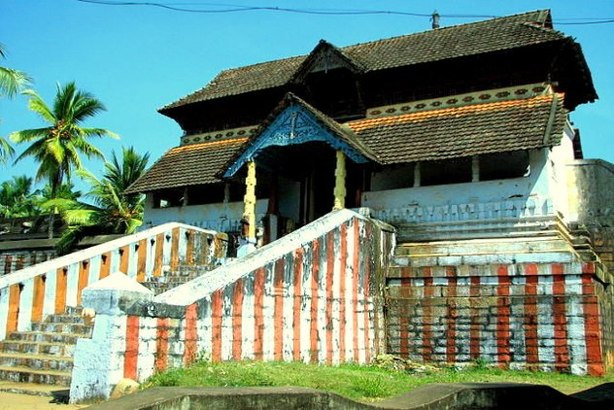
(301, 180)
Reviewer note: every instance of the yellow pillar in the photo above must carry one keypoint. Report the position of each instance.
(249, 201)
(340, 182)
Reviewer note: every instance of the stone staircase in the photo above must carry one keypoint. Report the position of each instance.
(170, 280)
(39, 361)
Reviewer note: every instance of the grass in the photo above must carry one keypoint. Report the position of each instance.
(365, 383)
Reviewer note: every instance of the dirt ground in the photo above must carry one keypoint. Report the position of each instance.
(13, 401)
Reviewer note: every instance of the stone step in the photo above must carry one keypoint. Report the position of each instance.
(38, 336)
(36, 362)
(36, 347)
(73, 310)
(481, 247)
(68, 319)
(73, 328)
(27, 375)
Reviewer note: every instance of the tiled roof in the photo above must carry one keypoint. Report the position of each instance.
(465, 131)
(192, 164)
(451, 42)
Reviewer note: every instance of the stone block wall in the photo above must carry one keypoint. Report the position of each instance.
(311, 296)
(543, 315)
(14, 260)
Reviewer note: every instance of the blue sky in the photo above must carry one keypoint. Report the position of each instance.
(137, 59)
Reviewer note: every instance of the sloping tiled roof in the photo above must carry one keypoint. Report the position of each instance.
(465, 131)
(451, 42)
(438, 134)
(194, 164)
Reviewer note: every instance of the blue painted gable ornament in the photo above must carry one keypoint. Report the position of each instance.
(295, 125)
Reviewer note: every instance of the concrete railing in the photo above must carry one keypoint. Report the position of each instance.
(311, 296)
(29, 294)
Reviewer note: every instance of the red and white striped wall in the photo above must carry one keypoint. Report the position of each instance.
(12, 260)
(307, 297)
(526, 315)
(29, 294)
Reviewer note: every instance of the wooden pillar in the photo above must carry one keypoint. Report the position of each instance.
(340, 182)
(249, 201)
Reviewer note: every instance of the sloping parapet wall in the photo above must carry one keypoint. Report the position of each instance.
(311, 296)
(30, 294)
(526, 304)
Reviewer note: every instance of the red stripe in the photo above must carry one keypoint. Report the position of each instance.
(61, 283)
(315, 270)
(298, 299)
(330, 259)
(530, 315)
(216, 325)
(159, 254)
(474, 330)
(559, 311)
(191, 334)
(278, 310)
(366, 289)
(342, 276)
(237, 320)
(38, 298)
(452, 314)
(132, 347)
(174, 249)
(162, 326)
(141, 262)
(427, 312)
(403, 315)
(258, 312)
(355, 279)
(13, 311)
(592, 331)
(503, 317)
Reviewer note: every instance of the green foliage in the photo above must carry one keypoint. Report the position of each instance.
(367, 383)
(17, 199)
(113, 210)
(58, 146)
(11, 82)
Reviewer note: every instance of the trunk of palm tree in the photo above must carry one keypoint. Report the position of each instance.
(55, 183)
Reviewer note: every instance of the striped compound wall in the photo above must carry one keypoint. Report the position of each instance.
(524, 315)
(14, 260)
(30, 294)
(311, 296)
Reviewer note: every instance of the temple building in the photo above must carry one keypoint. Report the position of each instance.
(418, 128)
(458, 137)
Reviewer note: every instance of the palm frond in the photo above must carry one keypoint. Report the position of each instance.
(12, 81)
(6, 150)
(37, 104)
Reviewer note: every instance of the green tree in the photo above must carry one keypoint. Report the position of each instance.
(11, 82)
(17, 200)
(113, 211)
(58, 146)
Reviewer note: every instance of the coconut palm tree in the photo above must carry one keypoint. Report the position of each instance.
(11, 82)
(57, 147)
(17, 199)
(113, 211)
